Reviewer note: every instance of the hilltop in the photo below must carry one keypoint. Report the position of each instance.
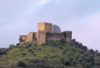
(50, 55)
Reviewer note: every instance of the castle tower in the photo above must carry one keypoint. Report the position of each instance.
(43, 28)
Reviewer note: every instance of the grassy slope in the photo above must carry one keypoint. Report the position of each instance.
(52, 55)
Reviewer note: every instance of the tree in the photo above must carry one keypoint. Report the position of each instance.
(21, 64)
(96, 52)
(72, 49)
(56, 29)
(65, 62)
(88, 65)
(92, 51)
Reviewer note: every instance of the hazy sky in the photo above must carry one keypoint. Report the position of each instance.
(19, 17)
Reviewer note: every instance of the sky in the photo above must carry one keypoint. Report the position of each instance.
(19, 17)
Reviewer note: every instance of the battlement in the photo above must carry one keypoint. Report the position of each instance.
(44, 33)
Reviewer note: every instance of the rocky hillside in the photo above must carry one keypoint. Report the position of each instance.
(50, 55)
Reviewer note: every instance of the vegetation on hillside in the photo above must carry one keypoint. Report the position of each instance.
(50, 55)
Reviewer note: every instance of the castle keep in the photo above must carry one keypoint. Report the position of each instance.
(44, 33)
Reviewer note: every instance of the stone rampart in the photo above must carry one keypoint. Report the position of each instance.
(54, 36)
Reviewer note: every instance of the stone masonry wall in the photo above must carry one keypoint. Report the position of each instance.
(30, 37)
(41, 37)
(48, 27)
(22, 38)
(67, 35)
(54, 36)
(35, 36)
(41, 26)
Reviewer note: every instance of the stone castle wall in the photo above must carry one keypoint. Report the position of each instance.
(48, 27)
(45, 34)
(35, 36)
(69, 36)
(41, 27)
(58, 36)
(54, 36)
(41, 37)
(22, 38)
(30, 37)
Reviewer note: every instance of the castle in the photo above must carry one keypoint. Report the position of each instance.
(44, 33)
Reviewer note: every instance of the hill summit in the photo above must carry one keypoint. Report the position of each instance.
(50, 55)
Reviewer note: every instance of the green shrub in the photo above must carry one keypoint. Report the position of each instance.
(21, 64)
